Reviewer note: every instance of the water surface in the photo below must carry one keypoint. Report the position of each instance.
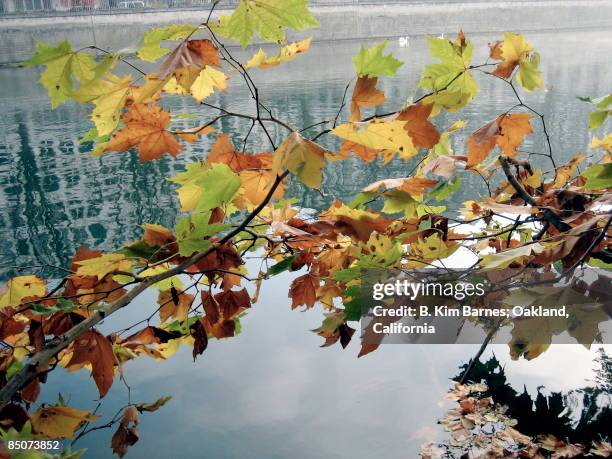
(271, 391)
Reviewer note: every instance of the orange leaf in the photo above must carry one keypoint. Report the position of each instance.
(507, 131)
(93, 348)
(223, 151)
(423, 133)
(365, 94)
(513, 129)
(257, 183)
(146, 129)
(365, 153)
(303, 290)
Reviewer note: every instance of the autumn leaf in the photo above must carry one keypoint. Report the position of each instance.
(422, 132)
(515, 52)
(507, 131)
(257, 183)
(61, 65)
(92, 348)
(150, 407)
(21, 287)
(146, 129)
(59, 421)
(103, 265)
(207, 81)
(174, 305)
(301, 157)
(365, 94)
(371, 62)
(268, 19)
(151, 50)
(109, 96)
(287, 53)
(379, 135)
(303, 291)
(365, 153)
(196, 53)
(450, 81)
(200, 338)
(206, 186)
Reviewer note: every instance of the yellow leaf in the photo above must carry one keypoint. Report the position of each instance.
(109, 97)
(605, 143)
(287, 53)
(257, 183)
(59, 421)
(21, 287)
(301, 157)
(206, 82)
(379, 135)
(103, 265)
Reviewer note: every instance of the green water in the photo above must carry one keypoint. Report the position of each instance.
(270, 392)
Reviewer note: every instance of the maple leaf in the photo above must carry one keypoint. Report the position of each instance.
(379, 135)
(21, 287)
(452, 84)
(268, 19)
(371, 62)
(515, 52)
(174, 305)
(223, 151)
(146, 129)
(102, 265)
(507, 131)
(257, 183)
(303, 291)
(59, 421)
(61, 64)
(287, 53)
(200, 338)
(151, 50)
(150, 407)
(301, 157)
(365, 153)
(92, 348)
(194, 231)
(422, 132)
(191, 53)
(206, 186)
(365, 94)
(206, 82)
(123, 438)
(109, 97)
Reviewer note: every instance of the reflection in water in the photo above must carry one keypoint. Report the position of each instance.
(56, 197)
(580, 415)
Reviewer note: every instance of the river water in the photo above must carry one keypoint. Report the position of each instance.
(271, 391)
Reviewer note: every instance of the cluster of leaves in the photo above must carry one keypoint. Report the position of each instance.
(480, 428)
(233, 201)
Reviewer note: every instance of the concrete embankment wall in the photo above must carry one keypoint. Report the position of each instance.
(117, 31)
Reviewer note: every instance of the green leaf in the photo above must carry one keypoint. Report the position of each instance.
(371, 62)
(268, 19)
(446, 188)
(61, 65)
(151, 51)
(529, 75)
(193, 233)
(205, 187)
(597, 118)
(352, 308)
(450, 80)
(283, 265)
(598, 176)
